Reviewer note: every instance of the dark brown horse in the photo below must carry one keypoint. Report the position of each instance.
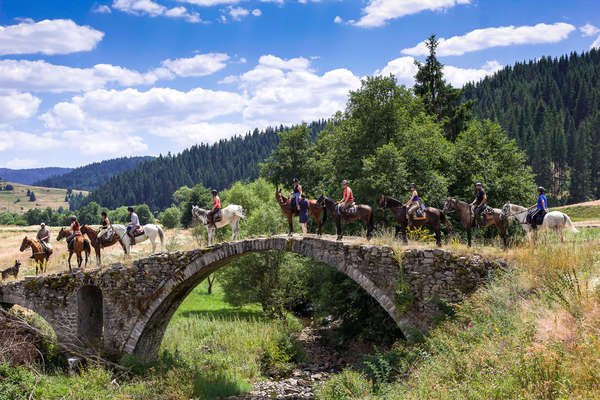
(80, 245)
(314, 210)
(40, 256)
(363, 212)
(433, 218)
(467, 218)
(93, 235)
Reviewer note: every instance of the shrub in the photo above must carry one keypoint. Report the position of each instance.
(170, 217)
(347, 385)
(6, 218)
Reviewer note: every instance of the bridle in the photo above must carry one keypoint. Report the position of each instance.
(511, 214)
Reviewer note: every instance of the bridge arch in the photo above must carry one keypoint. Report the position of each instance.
(362, 264)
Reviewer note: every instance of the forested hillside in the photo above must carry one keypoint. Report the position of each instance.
(551, 107)
(92, 176)
(30, 175)
(215, 166)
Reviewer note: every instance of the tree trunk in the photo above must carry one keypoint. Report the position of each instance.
(210, 283)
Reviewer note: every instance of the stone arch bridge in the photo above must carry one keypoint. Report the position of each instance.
(125, 309)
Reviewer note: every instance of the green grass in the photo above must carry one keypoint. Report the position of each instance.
(210, 350)
(582, 213)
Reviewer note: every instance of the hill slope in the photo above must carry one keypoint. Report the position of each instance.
(31, 175)
(90, 177)
(215, 166)
(17, 200)
(551, 107)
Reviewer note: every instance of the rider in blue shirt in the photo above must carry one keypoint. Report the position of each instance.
(541, 208)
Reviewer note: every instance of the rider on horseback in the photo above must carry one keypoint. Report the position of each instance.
(104, 228)
(43, 238)
(296, 193)
(76, 232)
(412, 204)
(133, 226)
(479, 203)
(348, 199)
(215, 213)
(537, 218)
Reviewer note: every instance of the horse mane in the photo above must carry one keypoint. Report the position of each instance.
(395, 203)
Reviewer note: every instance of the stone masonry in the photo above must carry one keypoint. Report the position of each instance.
(125, 309)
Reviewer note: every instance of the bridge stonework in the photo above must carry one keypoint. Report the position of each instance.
(125, 309)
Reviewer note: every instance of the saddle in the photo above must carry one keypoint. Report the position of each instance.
(482, 216)
(138, 232)
(533, 219)
(348, 212)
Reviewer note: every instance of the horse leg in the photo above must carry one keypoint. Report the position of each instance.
(70, 255)
(153, 245)
(404, 237)
(290, 222)
(338, 226)
(438, 236)
(469, 235)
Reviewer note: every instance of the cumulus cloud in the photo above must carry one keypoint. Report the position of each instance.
(208, 3)
(40, 76)
(589, 30)
(404, 69)
(338, 20)
(102, 9)
(58, 36)
(256, 12)
(12, 139)
(199, 65)
(237, 13)
(153, 9)
(481, 39)
(378, 12)
(17, 105)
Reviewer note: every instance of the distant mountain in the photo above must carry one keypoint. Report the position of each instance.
(90, 177)
(31, 175)
(215, 166)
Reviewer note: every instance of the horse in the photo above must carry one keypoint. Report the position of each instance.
(467, 218)
(314, 210)
(93, 236)
(230, 215)
(364, 212)
(433, 218)
(80, 245)
(151, 232)
(554, 220)
(40, 256)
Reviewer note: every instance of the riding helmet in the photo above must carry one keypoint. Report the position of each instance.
(73, 218)
(213, 192)
(295, 180)
(478, 184)
(541, 189)
(413, 185)
(130, 209)
(344, 182)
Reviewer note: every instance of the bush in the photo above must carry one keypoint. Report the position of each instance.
(144, 213)
(9, 187)
(6, 218)
(348, 385)
(170, 217)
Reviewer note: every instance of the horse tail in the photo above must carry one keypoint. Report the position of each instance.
(324, 215)
(86, 246)
(569, 224)
(161, 235)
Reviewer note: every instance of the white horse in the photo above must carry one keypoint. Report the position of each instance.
(151, 232)
(229, 215)
(554, 220)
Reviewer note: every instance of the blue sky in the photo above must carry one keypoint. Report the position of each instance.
(82, 81)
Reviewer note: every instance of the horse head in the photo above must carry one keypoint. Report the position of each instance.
(61, 234)
(449, 205)
(24, 244)
(383, 202)
(199, 213)
(321, 200)
(506, 210)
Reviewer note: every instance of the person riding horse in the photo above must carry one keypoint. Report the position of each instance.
(347, 200)
(295, 196)
(133, 225)
(413, 204)
(215, 213)
(480, 204)
(43, 238)
(76, 232)
(104, 228)
(537, 218)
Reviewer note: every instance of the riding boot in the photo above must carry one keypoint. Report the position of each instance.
(131, 237)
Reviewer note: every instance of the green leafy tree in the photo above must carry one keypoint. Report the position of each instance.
(144, 214)
(90, 214)
(7, 218)
(170, 218)
(199, 196)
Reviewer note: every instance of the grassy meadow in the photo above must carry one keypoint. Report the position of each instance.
(17, 201)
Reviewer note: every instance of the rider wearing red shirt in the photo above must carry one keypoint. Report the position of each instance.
(215, 212)
(348, 199)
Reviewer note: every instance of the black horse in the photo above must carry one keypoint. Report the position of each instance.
(363, 212)
(433, 218)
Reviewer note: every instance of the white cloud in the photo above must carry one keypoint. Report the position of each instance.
(40, 76)
(485, 38)
(18, 106)
(256, 12)
(596, 44)
(378, 12)
(153, 9)
(102, 9)
(58, 36)
(10, 140)
(589, 30)
(404, 69)
(199, 65)
(237, 13)
(20, 163)
(208, 3)
(338, 20)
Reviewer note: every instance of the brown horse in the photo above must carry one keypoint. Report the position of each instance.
(364, 212)
(433, 218)
(80, 245)
(314, 210)
(93, 235)
(467, 218)
(40, 256)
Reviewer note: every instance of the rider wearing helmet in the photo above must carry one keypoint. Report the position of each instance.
(479, 203)
(215, 213)
(104, 228)
(412, 204)
(296, 193)
(542, 208)
(76, 231)
(133, 225)
(348, 198)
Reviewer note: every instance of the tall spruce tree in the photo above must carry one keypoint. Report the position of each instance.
(440, 98)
